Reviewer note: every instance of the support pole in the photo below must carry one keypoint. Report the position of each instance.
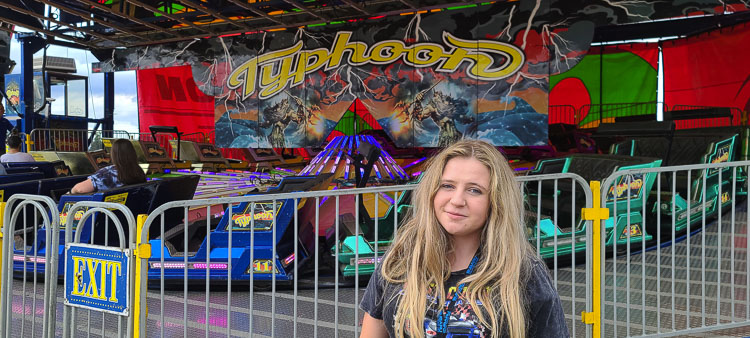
(109, 105)
(140, 309)
(597, 215)
(30, 44)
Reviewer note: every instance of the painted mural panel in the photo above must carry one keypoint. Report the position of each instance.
(428, 79)
(481, 71)
(611, 76)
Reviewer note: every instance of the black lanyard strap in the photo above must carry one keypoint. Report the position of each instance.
(445, 315)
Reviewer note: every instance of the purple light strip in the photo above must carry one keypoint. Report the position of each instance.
(386, 167)
(414, 163)
(218, 266)
(325, 198)
(285, 170)
(377, 172)
(388, 198)
(336, 164)
(346, 171)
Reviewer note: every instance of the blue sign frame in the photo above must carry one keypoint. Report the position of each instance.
(97, 278)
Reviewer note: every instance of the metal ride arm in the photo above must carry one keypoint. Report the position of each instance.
(365, 152)
(167, 129)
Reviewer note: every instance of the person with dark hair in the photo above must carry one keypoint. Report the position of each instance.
(5, 127)
(14, 151)
(124, 171)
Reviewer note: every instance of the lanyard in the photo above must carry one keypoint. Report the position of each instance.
(445, 315)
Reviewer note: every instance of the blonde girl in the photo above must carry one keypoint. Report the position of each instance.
(463, 248)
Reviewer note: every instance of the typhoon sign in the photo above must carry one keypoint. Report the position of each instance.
(277, 70)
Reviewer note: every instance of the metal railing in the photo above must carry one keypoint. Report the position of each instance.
(234, 294)
(690, 282)
(570, 243)
(71, 139)
(591, 115)
(198, 137)
(562, 114)
(20, 313)
(28, 309)
(211, 137)
(680, 265)
(126, 234)
(242, 307)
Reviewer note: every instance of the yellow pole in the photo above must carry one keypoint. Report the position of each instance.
(29, 142)
(2, 214)
(143, 252)
(597, 215)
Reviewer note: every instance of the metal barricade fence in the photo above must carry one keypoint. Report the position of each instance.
(278, 286)
(300, 292)
(590, 115)
(298, 306)
(567, 247)
(198, 137)
(211, 137)
(45, 139)
(126, 234)
(563, 113)
(687, 270)
(24, 312)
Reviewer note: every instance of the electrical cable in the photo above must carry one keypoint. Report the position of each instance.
(91, 93)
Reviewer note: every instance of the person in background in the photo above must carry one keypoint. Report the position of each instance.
(462, 262)
(5, 127)
(14, 151)
(124, 171)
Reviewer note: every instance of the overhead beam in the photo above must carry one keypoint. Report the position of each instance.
(42, 17)
(302, 7)
(256, 11)
(45, 31)
(88, 17)
(406, 2)
(299, 23)
(357, 7)
(170, 16)
(125, 16)
(200, 7)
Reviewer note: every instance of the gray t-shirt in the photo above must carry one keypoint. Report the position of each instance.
(16, 157)
(544, 311)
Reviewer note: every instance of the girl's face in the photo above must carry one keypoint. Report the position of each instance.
(462, 201)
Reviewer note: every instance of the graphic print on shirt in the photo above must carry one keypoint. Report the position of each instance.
(463, 320)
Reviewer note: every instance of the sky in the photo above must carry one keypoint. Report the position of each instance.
(126, 97)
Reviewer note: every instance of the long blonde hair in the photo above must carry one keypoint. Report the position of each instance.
(419, 255)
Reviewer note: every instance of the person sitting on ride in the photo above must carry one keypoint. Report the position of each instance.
(14, 151)
(124, 171)
(462, 262)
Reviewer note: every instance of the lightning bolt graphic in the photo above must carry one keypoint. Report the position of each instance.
(506, 30)
(528, 23)
(624, 5)
(140, 57)
(415, 27)
(178, 53)
(560, 45)
(111, 62)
